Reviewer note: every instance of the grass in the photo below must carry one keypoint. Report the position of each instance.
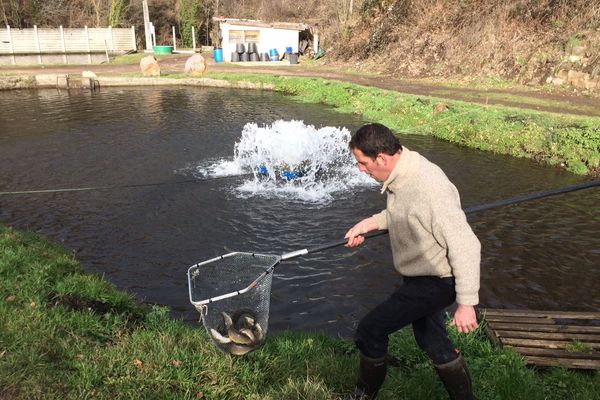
(67, 334)
(572, 142)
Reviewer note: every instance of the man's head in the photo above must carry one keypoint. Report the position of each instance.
(376, 150)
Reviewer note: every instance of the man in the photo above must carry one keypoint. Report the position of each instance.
(433, 248)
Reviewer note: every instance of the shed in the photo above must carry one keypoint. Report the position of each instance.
(266, 35)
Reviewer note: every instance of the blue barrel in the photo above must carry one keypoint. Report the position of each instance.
(289, 49)
(273, 55)
(218, 55)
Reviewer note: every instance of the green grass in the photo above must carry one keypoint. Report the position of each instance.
(572, 142)
(66, 334)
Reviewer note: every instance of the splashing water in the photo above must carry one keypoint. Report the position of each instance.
(289, 159)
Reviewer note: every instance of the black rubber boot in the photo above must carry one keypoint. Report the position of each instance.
(456, 379)
(371, 374)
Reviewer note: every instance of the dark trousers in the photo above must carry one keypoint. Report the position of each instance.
(420, 301)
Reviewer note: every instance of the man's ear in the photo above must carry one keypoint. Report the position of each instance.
(382, 159)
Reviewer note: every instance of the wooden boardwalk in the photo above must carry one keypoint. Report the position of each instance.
(547, 338)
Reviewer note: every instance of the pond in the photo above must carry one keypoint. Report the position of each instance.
(158, 208)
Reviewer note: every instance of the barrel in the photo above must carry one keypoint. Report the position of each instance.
(218, 55)
(292, 58)
(240, 48)
(273, 55)
(235, 56)
(252, 48)
(264, 57)
(244, 57)
(254, 57)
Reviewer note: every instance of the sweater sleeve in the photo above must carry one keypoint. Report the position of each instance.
(453, 232)
(381, 219)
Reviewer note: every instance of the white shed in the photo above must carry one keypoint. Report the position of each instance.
(266, 35)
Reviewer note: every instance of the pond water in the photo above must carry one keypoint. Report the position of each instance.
(540, 255)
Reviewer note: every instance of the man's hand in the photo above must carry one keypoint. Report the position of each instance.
(355, 234)
(465, 319)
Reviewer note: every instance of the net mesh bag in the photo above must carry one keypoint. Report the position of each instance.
(232, 294)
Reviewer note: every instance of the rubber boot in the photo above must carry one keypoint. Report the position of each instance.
(456, 379)
(371, 374)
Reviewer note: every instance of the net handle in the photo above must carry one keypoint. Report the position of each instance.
(468, 210)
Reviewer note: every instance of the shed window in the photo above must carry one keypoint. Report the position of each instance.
(244, 36)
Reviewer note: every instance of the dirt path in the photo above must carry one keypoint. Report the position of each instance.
(528, 99)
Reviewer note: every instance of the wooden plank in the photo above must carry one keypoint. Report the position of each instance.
(562, 362)
(548, 344)
(546, 328)
(584, 337)
(521, 320)
(536, 313)
(555, 353)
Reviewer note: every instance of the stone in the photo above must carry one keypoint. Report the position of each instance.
(574, 59)
(563, 74)
(196, 64)
(440, 107)
(577, 78)
(578, 51)
(549, 79)
(150, 66)
(592, 83)
(88, 74)
(557, 81)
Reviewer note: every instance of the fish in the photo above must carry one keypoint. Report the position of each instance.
(239, 349)
(227, 320)
(258, 333)
(248, 332)
(238, 337)
(218, 337)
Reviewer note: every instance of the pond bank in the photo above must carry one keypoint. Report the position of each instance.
(566, 141)
(67, 334)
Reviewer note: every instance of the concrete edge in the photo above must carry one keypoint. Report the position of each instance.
(14, 82)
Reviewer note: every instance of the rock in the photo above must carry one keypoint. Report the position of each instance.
(549, 79)
(574, 59)
(592, 83)
(150, 66)
(577, 78)
(440, 107)
(88, 74)
(563, 74)
(196, 64)
(557, 81)
(578, 51)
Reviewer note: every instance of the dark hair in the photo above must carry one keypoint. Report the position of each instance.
(373, 139)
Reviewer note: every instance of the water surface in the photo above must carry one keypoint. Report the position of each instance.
(540, 255)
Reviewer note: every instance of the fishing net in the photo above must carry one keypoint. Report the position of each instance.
(232, 294)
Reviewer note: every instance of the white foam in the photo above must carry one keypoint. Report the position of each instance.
(327, 165)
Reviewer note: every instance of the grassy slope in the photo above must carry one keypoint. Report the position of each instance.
(569, 141)
(67, 334)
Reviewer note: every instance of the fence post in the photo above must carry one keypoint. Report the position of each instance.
(12, 46)
(37, 43)
(133, 42)
(64, 45)
(174, 40)
(194, 39)
(112, 39)
(87, 45)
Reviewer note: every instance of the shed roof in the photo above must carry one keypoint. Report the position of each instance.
(294, 26)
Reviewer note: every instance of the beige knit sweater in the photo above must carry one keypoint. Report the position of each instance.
(429, 232)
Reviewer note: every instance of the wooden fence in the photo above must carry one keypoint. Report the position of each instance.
(42, 42)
